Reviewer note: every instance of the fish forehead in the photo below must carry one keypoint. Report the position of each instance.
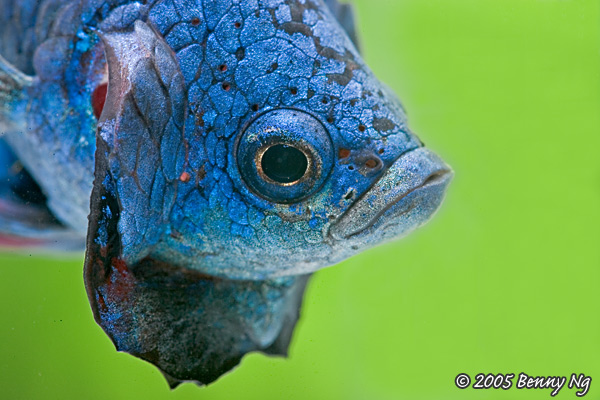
(242, 58)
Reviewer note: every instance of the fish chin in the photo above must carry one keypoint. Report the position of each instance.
(405, 197)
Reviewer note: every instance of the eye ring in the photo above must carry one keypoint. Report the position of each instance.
(305, 150)
(284, 155)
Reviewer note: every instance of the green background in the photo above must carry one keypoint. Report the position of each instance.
(504, 279)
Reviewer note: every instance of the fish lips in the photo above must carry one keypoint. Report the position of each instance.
(405, 197)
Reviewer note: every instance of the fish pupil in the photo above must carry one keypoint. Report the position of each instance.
(99, 98)
(284, 164)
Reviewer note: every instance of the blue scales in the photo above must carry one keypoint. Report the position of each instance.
(223, 150)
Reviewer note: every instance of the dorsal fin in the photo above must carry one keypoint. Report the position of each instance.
(345, 15)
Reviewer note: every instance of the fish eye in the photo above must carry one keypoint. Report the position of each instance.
(285, 155)
(283, 164)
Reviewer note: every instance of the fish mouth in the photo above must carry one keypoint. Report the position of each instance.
(406, 196)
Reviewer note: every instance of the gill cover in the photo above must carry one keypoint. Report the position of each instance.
(192, 326)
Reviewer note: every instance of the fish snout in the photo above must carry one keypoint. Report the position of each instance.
(407, 195)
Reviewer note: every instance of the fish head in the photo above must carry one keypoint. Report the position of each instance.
(324, 193)
(254, 144)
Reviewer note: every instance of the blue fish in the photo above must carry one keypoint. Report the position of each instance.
(210, 155)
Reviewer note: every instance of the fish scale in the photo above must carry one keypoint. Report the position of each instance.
(170, 166)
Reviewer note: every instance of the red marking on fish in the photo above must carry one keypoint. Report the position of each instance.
(185, 177)
(99, 98)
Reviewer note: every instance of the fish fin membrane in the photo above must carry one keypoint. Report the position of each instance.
(193, 327)
(345, 15)
(25, 220)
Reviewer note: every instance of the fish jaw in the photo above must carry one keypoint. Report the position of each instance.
(405, 197)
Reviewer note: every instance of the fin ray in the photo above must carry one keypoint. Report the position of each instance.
(12, 81)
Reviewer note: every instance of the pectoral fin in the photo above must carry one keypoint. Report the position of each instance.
(25, 220)
(13, 84)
